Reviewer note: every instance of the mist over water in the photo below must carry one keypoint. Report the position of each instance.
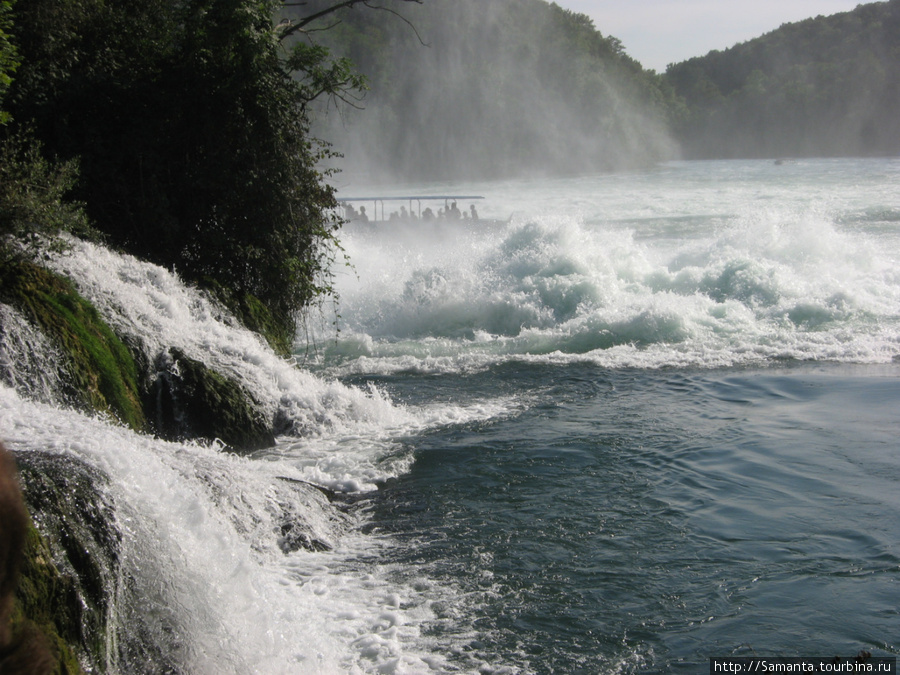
(500, 88)
(624, 423)
(702, 461)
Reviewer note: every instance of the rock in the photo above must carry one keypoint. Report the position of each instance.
(99, 372)
(191, 401)
(71, 557)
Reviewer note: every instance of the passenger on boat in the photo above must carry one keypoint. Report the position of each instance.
(474, 213)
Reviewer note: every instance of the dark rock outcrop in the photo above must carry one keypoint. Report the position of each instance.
(190, 401)
(40, 611)
(71, 566)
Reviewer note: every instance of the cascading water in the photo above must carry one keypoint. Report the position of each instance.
(227, 563)
(28, 361)
(625, 279)
(560, 289)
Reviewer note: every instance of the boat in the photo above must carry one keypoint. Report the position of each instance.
(409, 209)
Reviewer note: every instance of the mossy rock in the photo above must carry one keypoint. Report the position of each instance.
(256, 316)
(252, 313)
(71, 557)
(192, 401)
(46, 607)
(101, 373)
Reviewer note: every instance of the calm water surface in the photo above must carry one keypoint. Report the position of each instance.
(643, 522)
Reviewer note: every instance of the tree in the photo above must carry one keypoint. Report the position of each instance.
(506, 87)
(8, 57)
(824, 86)
(192, 129)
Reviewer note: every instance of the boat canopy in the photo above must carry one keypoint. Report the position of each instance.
(410, 199)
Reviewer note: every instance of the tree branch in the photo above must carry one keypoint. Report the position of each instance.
(298, 26)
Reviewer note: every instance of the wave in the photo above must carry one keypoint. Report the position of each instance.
(766, 284)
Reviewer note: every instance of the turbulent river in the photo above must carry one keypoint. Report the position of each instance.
(623, 424)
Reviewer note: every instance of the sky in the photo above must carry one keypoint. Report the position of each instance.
(660, 32)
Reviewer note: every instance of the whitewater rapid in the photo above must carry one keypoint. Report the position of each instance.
(253, 564)
(654, 270)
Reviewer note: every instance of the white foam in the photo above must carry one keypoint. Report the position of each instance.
(201, 545)
(775, 278)
(155, 308)
(28, 361)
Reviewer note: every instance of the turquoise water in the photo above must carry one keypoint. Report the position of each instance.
(634, 521)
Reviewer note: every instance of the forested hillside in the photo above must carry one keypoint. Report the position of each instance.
(469, 88)
(828, 86)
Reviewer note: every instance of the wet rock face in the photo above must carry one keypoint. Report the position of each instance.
(72, 557)
(78, 586)
(191, 401)
(92, 367)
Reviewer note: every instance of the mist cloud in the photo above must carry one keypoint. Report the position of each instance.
(505, 88)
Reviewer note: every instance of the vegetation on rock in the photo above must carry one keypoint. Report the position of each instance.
(828, 86)
(180, 131)
(195, 402)
(46, 602)
(8, 56)
(192, 138)
(70, 566)
(100, 373)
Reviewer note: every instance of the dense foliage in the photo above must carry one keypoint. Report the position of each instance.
(824, 86)
(192, 138)
(469, 88)
(34, 200)
(8, 58)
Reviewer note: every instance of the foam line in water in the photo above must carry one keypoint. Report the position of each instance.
(358, 463)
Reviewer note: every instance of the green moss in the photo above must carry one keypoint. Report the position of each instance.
(257, 317)
(46, 602)
(102, 373)
(253, 314)
(69, 574)
(196, 402)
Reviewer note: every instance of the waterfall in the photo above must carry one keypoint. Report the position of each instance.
(214, 562)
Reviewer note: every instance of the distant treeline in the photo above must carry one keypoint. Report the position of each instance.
(473, 89)
(507, 87)
(827, 86)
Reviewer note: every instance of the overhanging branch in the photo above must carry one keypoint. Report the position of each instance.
(300, 24)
